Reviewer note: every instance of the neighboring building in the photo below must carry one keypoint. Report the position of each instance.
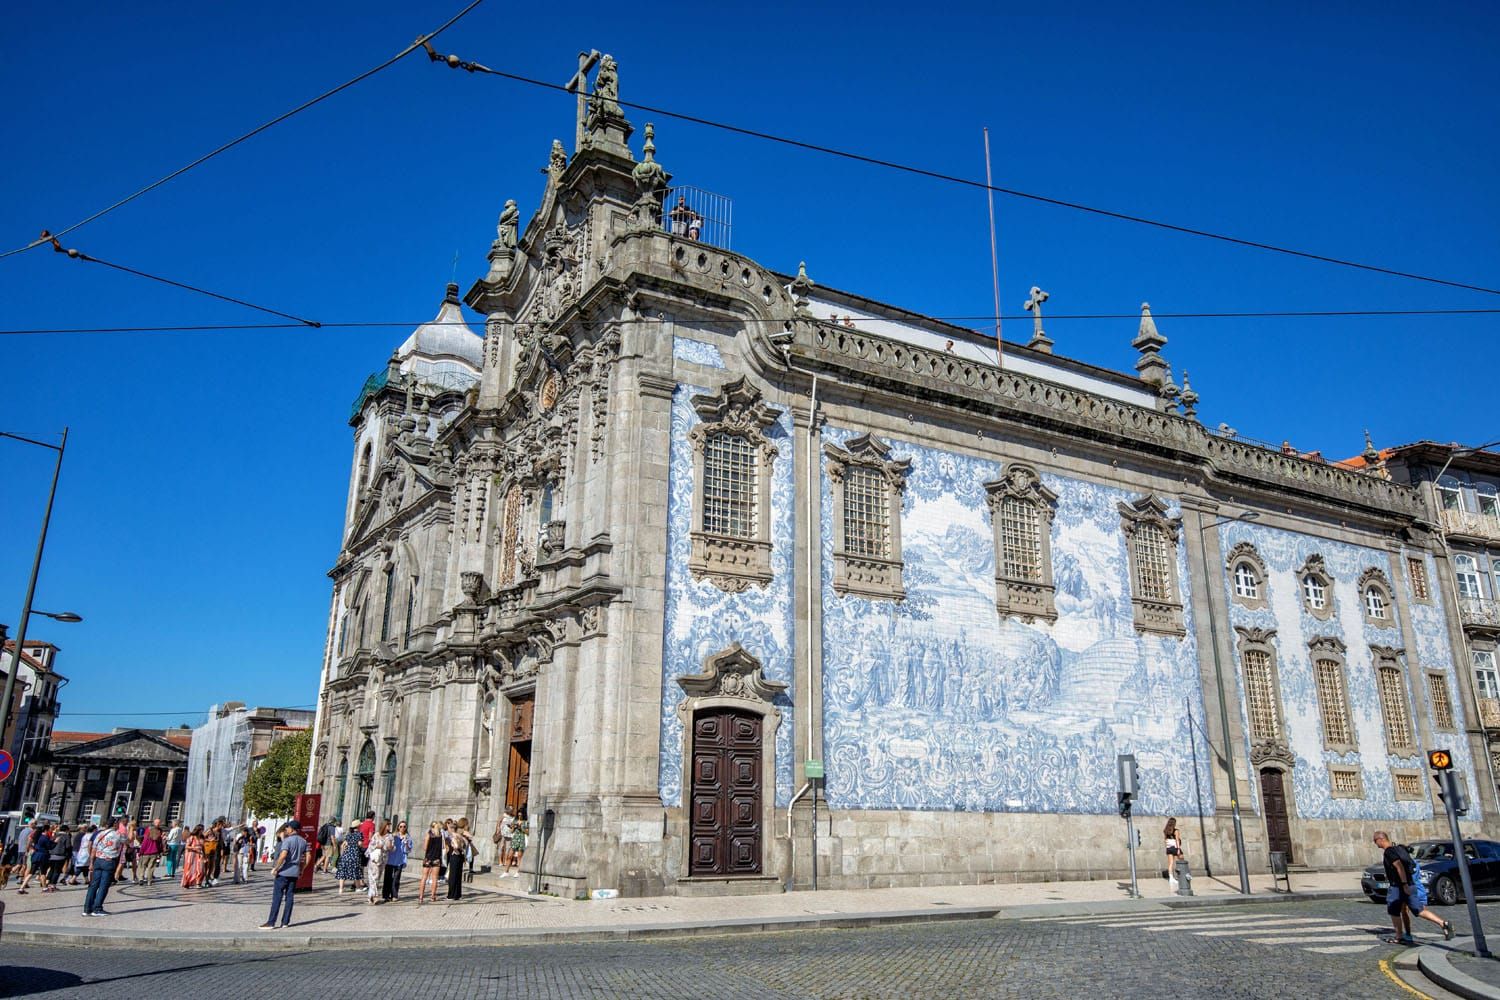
(1462, 487)
(682, 532)
(34, 710)
(141, 771)
(225, 748)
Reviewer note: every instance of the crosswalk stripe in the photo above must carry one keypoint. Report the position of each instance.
(1251, 922)
(1288, 925)
(1341, 949)
(1135, 921)
(1368, 939)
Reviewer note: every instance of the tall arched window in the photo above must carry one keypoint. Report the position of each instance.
(388, 785)
(411, 610)
(338, 802)
(364, 779)
(365, 458)
(1393, 706)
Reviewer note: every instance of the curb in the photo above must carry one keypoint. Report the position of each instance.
(273, 941)
(1433, 961)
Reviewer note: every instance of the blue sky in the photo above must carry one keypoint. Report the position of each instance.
(203, 493)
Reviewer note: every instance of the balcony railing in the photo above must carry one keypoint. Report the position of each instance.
(1489, 713)
(1463, 522)
(1475, 612)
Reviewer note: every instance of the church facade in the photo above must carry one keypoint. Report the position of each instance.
(683, 552)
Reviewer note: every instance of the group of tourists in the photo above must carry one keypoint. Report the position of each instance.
(371, 856)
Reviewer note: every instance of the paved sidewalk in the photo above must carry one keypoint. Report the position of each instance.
(499, 911)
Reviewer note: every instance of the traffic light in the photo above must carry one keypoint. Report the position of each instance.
(28, 812)
(1124, 805)
(1439, 760)
(121, 808)
(1455, 780)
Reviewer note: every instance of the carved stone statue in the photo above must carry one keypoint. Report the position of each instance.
(559, 160)
(607, 87)
(510, 218)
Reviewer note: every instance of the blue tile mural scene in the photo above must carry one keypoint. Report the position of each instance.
(1284, 554)
(936, 703)
(702, 620)
(696, 351)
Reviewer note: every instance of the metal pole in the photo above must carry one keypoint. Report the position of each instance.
(1234, 789)
(1208, 867)
(1135, 891)
(36, 567)
(815, 836)
(1450, 796)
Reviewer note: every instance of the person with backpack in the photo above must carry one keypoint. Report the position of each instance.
(328, 835)
(1406, 892)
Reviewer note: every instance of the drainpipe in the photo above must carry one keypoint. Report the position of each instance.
(814, 544)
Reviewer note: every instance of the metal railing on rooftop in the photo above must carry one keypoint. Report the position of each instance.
(698, 215)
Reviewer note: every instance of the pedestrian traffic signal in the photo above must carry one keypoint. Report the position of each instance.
(1460, 787)
(1439, 760)
(121, 805)
(1124, 805)
(28, 812)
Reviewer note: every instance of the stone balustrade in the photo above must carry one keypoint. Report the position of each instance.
(1463, 522)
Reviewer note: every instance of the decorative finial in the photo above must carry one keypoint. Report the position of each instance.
(1189, 397)
(408, 422)
(452, 293)
(1370, 454)
(1149, 341)
(422, 418)
(802, 285)
(649, 175)
(1039, 339)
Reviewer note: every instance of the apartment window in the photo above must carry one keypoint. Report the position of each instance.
(1408, 785)
(1442, 702)
(1486, 677)
(1489, 504)
(1247, 572)
(1416, 571)
(1151, 544)
(733, 460)
(1450, 496)
(1346, 782)
(1470, 582)
(1021, 512)
(1333, 693)
(1317, 588)
(867, 489)
(174, 812)
(148, 811)
(90, 807)
(1393, 708)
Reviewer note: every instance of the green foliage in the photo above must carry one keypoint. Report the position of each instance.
(272, 787)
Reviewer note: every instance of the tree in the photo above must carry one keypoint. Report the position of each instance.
(273, 787)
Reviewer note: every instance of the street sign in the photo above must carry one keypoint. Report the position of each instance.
(812, 769)
(7, 764)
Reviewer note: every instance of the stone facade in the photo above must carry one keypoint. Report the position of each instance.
(143, 771)
(697, 524)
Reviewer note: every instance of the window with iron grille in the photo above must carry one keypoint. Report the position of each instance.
(90, 806)
(730, 491)
(1393, 707)
(1260, 692)
(867, 509)
(1442, 704)
(1346, 783)
(1333, 703)
(1152, 563)
(1416, 569)
(1408, 784)
(1246, 583)
(174, 812)
(1021, 539)
(148, 811)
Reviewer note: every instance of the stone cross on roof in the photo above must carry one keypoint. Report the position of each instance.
(580, 85)
(1039, 339)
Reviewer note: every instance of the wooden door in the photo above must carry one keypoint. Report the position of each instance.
(518, 763)
(1273, 802)
(725, 829)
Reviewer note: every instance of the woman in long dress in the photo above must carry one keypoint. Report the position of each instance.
(375, 856)
(349, 868)
(192, 864)
(458, 847)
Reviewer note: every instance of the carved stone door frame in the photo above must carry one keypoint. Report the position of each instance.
(732, 678)
(1289, 801)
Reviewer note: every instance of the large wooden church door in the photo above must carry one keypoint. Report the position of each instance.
(725, 833)
(1273, 801)
(518, 765)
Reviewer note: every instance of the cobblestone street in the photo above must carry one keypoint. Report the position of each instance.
(1308, 949)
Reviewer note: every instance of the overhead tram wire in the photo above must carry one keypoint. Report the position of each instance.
(79, 255)
(419, 43)
(454, 62)
(413, 324)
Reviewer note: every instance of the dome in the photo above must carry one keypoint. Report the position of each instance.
(447, 340)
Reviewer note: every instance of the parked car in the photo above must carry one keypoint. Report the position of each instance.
(1440, 871)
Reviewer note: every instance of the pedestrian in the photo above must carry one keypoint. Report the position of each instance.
(209, 841)
(398, 847)
(23, 850)
(193, 865)
(1174, 850)
(79, 866)
(133, 850)
(349, 865)
(106, 858)
(328, 848)
(432, 861)
(517, 844)
(375, 852)
(40, 857)
(457, 852)
(1404, 892)
(469, 852)
(290, 858)
(57, 858)
(174, 848)
(150, 852)
(244, 841)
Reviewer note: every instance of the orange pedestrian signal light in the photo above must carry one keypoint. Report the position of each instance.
(1439, 760)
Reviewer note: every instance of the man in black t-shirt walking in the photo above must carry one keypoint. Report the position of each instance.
(1400, 875)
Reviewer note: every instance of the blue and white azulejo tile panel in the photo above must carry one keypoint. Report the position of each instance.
(696, 351)
(936, 703)
(702, 620)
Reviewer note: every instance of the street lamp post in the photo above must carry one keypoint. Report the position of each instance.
(1210, 581)
(36, 567)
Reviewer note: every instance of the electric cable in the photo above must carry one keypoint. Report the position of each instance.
(420, 42)
(456, 62)
(80, 255)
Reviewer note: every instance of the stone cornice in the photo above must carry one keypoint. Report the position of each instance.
(914, 371)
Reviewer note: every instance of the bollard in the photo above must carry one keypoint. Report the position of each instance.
(1184, 877)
